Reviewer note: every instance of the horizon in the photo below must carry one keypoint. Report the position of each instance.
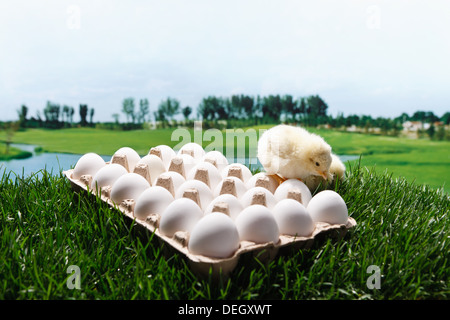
(374, 58)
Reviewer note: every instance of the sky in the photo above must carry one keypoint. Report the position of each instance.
(379, 58)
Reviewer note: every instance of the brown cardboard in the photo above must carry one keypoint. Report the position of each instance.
(166, 181)
(295, 194)
(155, 151)
(228, 187)
(176, 164)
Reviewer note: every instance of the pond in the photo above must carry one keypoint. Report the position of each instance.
(55, 162)
(52, 162)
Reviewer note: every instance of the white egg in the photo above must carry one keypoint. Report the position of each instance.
(107, 175)
(237, 170)
(231, 185)
(262, 179)
(291, 188)
(205, 194)
(170, 180)
(182, 163)
(328, 206)
(152, 200)
(165, 152)
(193, 149)
(130, 154)
(258, 195)
(128, 186)
(155, 166)
(214, 235)
(88, 164)
(205, 172)
(292, 218)
(234, 205)
(181, 215)
(217, 158)
(256, 223)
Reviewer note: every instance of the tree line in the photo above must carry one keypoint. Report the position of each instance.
(55, 116)
(311, 110)
(225, 112)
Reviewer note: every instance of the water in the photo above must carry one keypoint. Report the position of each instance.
(52, 162)
(55, 162)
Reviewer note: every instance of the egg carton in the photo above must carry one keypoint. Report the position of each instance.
(161, 168)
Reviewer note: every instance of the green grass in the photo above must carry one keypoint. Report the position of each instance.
(13, 153)
(422, 161)
(83, 140)
(402, 227)
(418, 160)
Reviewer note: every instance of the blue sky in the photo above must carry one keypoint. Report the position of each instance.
(362, 57)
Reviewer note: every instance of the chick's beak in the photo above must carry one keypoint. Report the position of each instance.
(323, 174)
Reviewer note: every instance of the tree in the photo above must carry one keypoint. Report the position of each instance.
(72, 112)
(236, 107)
(10, 128)
(366, 122)
(51, 112)
(228, 108)
(289, 107)
(159, 114)
(402, 118)
(271, 108)
(446, 118)
(169, 107)
(186, 112)
(418, 116)
(257, 109)
(431, 131)
(91, 115)
(248, 106)
(313, 110)
(430, 117)
(22, 116)
(302, 108)
(83, 114)
(440, 133)
(208, 107)
(38, 116)
(116, 117)
(316, 109)
(128, 109)
(221, 110)
(66, 113)
(352, 120)
(143, 110)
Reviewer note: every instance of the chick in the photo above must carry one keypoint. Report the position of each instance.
(336, 172)
(293, 152)
(337, 167)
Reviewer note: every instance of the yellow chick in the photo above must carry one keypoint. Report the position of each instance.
(293, 152)
(336, 172)
(337, 167)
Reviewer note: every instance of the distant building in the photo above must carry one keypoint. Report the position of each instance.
(412, 126)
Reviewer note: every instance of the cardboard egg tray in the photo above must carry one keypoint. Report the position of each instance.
(204, 266)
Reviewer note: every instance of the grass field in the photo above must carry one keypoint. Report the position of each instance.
(403, 229)
(13, 153)
(422, 161)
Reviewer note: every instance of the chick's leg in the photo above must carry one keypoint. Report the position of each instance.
(278, 178)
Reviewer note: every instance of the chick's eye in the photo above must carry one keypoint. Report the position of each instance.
(317, 164)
